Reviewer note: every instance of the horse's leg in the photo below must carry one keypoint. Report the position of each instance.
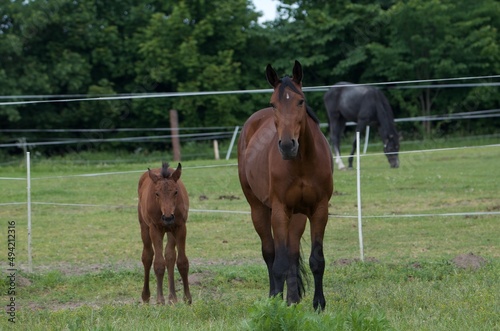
(147, 259)
(337, 127)
(353, 150)
(183, 262)
(281, 266)
(360, 127)
(170, 258)
(261, 218)
(159, 263)
(317, 259)
(294, 281)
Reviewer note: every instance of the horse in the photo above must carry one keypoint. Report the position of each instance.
(365, 105)
(163, 208)
(285, 168)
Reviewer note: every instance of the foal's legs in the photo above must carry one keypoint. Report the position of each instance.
(147, 259)
(159, 262)
(178, 239)
(170, 257)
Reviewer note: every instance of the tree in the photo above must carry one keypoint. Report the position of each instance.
(437, 39)
(192, 48)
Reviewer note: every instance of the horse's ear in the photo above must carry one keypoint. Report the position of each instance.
(177, 173)
(297, 73)
(154, 177)
(271, 76)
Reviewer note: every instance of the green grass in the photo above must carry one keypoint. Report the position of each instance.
(88, 275)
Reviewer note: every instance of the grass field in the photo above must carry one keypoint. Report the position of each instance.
(437, 272)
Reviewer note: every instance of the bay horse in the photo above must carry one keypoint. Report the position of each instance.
(285, 168)
(365, 105)
(163, 208)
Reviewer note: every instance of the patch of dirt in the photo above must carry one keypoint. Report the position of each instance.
(198, 279)
(469, 261)
(493, 208)
(344, 262)
(229, 197)
(203, 197)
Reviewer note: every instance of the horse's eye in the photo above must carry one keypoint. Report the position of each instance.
(301, 103)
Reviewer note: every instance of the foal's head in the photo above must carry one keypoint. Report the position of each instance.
(166, 190)
(289, 107)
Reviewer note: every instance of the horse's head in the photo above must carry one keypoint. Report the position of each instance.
(166, 190)
(289, 107)
(391, 149)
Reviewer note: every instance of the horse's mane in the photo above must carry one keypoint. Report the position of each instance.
(165, 170)
(287, 82)
(384, 113)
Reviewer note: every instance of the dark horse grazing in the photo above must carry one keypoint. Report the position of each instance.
(285, 169)
(365, 105)
(163, 208)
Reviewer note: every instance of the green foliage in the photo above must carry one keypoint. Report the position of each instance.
(274, 315)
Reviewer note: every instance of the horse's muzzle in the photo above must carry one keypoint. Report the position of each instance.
(288, 149)
(168, 220)
(394, 162)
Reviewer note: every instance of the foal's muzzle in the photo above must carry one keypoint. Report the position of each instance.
(168, 220)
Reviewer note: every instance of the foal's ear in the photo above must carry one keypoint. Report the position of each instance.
(271, 76)
(154, 177)
(297, 73)
(177, 173)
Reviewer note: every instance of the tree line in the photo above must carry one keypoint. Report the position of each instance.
(95, 47)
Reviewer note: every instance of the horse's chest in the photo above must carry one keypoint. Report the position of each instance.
(301, 194)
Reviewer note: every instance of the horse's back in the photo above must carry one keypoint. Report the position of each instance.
(350, 101)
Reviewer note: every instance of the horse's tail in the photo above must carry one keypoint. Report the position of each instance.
(302, 280)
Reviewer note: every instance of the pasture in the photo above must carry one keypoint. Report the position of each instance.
(86, 247)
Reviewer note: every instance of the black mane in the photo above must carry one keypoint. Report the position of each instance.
(165, 171)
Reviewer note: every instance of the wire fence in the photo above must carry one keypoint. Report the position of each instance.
(217, 210)
(214, 133)
(207, 133)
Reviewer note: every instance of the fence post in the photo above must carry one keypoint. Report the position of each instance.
(230, 149)
(174, 126)
(358, 181)
(28, 188)
(216, 149)
(367, 137)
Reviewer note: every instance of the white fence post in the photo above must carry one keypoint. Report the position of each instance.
(358, 181)
(28, 173)
(229, 150)
(367, 137)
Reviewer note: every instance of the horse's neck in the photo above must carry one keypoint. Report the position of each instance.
(385, 118)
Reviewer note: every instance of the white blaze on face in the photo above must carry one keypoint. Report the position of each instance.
(288, 96)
